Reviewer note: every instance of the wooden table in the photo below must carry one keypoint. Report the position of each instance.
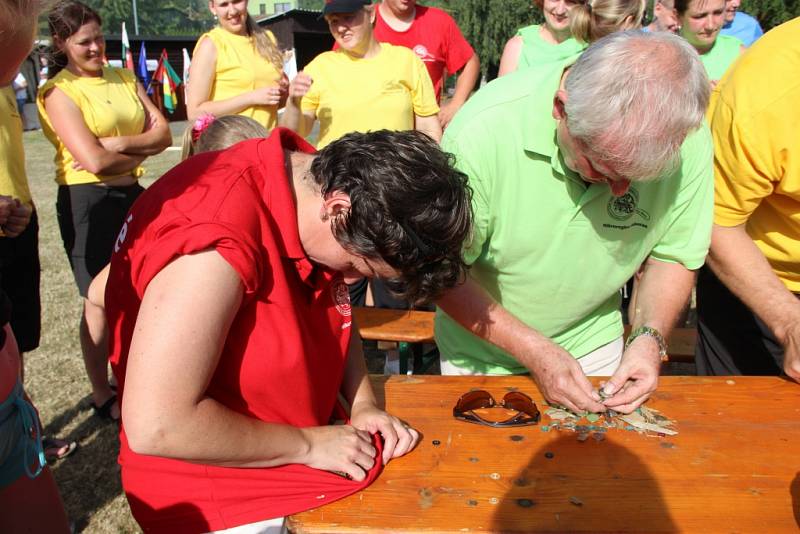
(733, 467)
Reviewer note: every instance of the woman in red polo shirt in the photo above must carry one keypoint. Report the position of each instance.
(232, 334)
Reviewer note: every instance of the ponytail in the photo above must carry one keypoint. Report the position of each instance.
(580, 22)
(595, 19)
(264, 43)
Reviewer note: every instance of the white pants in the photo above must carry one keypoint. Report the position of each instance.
(600, 362)
(270, 526)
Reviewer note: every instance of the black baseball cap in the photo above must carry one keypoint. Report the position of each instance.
(344, 6)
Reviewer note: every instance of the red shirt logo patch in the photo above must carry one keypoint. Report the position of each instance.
(341, 298)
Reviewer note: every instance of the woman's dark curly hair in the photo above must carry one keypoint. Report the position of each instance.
(408, 206)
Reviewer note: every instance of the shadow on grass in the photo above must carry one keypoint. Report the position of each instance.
(90, 478)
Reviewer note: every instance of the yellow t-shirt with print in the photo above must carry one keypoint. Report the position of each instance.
(240, 69)
(110, 108)
(13, 180)
(351, 94)
(754, 116)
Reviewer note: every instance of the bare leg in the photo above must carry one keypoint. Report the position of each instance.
(94, 343)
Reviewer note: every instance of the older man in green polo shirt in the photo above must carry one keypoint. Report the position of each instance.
(581, 174)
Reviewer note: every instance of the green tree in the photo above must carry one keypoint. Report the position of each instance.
(488, 24)
(156, 17)
(771, 13)
(314, 5)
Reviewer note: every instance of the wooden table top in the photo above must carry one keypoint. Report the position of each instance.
(733, 467)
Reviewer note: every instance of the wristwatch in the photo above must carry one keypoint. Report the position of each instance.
(655, 334)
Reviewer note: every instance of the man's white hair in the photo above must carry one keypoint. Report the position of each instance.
(632, 97)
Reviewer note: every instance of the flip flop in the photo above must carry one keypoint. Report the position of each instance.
(104, 411)
(57, 449)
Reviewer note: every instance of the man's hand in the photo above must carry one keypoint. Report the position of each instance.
(18, 219)
(636, 377)
(339, 448)
(398, 438)
(562, 382)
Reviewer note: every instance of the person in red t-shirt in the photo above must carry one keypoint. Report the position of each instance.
(436, 39)
(232, 336)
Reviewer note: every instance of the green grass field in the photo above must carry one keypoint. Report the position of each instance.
(89, 479)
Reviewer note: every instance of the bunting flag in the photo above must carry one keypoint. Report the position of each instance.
(169, 81)
(186, 63)
(127, 55)
(141, 68)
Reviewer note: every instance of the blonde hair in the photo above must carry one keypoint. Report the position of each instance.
(221, 133)
(265, 43)
(597, 18)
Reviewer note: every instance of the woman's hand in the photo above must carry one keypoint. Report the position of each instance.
(266, 96)
(113, 144)
(398, 438)
(299, 87)
(341, 449)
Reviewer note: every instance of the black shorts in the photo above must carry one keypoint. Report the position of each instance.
(20, 271)
(731, 339)
(90, 217)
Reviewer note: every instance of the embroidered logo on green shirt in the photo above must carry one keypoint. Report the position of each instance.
(622, 208)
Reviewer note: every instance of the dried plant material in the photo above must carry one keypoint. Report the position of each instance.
(557, 414)
(644, 420)
(637, 421)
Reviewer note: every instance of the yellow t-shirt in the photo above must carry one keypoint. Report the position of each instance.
(358, 95)
(755, 118)
(110, 108)
(13, 180)
(240, 68)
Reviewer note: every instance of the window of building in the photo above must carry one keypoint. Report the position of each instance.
(280, 7)
(262, 9)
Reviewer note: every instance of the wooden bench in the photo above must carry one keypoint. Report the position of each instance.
(411, 329)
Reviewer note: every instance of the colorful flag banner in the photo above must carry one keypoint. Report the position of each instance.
(141, 68)
(127, 54)
(169, 81)
(186, 64)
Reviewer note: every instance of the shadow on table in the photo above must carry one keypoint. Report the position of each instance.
(595, 486)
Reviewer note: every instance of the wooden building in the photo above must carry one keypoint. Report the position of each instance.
(303, 31)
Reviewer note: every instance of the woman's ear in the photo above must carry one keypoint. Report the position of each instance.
(335, 204)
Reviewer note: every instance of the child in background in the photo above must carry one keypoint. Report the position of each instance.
(209, 133)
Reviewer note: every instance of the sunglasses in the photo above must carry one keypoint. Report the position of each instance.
(527, 412)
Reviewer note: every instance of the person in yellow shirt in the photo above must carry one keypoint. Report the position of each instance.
(747, 302)
(237, 68)
(103, 126)
(364, 85)
(29, 499)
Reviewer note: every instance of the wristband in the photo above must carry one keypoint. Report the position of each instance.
(655, 334)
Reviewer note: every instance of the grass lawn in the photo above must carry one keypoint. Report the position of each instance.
(55, 377)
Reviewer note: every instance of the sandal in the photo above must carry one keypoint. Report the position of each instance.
(57, 449)
(104, 411)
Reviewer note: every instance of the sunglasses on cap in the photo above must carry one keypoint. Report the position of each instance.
(527, 412)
